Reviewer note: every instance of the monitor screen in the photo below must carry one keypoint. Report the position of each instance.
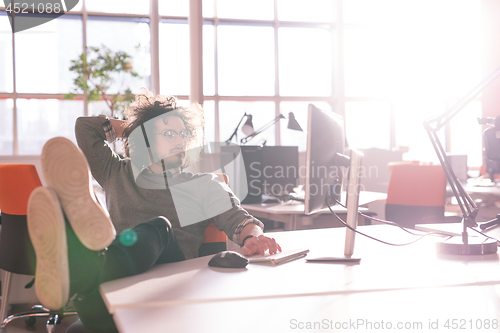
(325, 145)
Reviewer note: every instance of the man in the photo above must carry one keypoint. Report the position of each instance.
(73, 237)
(136, 189)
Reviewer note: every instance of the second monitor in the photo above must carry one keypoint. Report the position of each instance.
(271, 170)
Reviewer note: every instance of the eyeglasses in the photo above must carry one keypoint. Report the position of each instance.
(171, 135)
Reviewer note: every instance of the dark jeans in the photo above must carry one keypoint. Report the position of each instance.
(156, 244)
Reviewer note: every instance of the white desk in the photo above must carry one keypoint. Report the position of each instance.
(384, 270)
(355, 312)
(293, 214)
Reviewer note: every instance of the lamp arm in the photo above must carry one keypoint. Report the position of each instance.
(467, 205)
(443, 119)
(236, 129)
(262, 129)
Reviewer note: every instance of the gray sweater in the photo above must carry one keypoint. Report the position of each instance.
(132, 201)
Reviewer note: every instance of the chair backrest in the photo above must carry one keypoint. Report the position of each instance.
(215, 240)
(416, 193)
(17, 181)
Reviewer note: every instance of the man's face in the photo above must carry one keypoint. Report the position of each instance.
(170, 146)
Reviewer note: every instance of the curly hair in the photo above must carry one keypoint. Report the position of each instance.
(147, 106)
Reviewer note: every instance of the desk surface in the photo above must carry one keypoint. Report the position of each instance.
(415, 310)
(382, 268)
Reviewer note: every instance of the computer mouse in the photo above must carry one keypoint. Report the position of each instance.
(228, 259)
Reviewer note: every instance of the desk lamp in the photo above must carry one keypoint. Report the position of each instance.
(292, 124)
(247, 128)
(469, 209)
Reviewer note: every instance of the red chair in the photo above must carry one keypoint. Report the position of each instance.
(416, 194)
(215, 240)
(17, 181)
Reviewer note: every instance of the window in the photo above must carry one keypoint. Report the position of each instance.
(246, 60)
(305, 70)
(134, 39)
(174, 55)
(418, 57)
(6, 79)
(34, 110)
(385, 65)
(7, 127)
(39, 120)
(43, 56)
(268, 58)
(368, 125)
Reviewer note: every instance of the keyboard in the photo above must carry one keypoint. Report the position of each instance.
(278, 258)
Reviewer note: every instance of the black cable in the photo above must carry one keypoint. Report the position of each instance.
(395, 224)
(408, 231)
(373, 238)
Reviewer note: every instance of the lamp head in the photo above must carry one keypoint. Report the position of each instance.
(247, 128)
(293, 124)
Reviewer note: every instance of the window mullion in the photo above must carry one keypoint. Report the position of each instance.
(154, 26)
(196, 47)
(276, 73)
(84, 40)
(216, 76)
(15, 140)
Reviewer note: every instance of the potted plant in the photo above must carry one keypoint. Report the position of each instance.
(97, 70)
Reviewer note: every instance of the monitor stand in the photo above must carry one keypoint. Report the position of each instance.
(353, 188)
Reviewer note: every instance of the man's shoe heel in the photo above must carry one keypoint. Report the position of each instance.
(47, 232)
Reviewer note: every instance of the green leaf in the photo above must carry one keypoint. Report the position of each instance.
(69, 96)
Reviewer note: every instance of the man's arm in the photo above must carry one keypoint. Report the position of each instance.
(258, 243)
(91, 134)
(235, 221)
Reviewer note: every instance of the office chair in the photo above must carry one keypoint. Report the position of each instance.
(17, 181)
(215, 240)
(416, 194)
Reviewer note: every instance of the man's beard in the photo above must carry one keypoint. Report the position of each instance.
(173, 161)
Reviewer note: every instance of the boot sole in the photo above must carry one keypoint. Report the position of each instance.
(47, 232)
(66, 171)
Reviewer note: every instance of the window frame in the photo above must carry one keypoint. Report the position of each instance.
(337, 99)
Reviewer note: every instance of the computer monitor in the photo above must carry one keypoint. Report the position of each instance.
(270, 170)
(326, 166)
(252, 158)
(280, 169)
